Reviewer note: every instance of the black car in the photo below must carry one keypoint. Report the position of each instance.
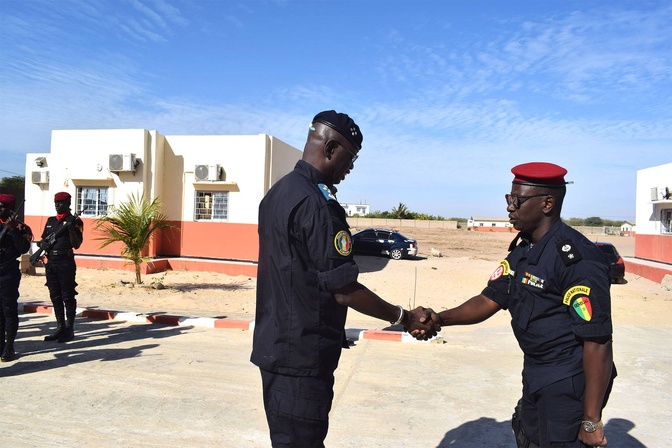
(615, 261)
(384, 242)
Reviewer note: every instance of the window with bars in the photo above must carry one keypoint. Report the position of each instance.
(95, 198)
(211, 206)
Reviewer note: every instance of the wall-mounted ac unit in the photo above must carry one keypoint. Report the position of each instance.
(40, 177)
(123, 162)
(208, 172)
(661, 193)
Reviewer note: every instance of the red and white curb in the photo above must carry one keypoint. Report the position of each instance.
(353, 334)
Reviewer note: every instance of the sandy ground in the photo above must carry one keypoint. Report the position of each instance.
(438, 282)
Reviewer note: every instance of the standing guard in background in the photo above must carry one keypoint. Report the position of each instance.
(15, 238)
(60, 267)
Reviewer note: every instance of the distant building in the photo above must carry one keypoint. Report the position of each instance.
(210, 187)
(628, 228)
(653, 240)
(489, 224)
(356, 209)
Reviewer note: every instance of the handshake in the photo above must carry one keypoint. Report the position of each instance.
(422, 323)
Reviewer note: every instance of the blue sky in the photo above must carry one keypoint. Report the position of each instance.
(449, 94)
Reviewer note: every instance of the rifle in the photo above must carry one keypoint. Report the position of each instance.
(46, 244)
(12, 216)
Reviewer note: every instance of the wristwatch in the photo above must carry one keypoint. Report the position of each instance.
(589, 426)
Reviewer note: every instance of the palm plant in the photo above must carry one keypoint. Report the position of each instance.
(400, 212)
(133, 224)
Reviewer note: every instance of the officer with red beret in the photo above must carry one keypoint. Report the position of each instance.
(555, 284)
(60, 268)
(15, 240)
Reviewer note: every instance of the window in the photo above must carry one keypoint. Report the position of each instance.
(666, 221)
(211, 206)
(94, 198)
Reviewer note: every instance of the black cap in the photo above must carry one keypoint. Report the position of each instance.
(343, 124)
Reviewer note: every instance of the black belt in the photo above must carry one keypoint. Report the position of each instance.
(55, 253)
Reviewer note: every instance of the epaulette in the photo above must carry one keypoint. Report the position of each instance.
(328, 195)
(568, 252)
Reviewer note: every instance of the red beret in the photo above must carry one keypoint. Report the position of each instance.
(539, 174)
(62, 196)
(8, 200)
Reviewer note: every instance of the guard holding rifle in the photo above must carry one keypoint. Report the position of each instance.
(15, 238)
(62, 234)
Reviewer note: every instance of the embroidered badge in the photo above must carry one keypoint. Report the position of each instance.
(343, 243)
(575, 291)
(502, 269)
(533, 280)
(583, 308)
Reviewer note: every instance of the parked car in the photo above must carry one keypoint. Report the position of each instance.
(615, 261)
(384, 242)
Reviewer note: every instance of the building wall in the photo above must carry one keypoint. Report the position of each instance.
(652, 241)
(251, 165)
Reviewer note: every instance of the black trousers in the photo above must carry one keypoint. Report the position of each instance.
(297, 408)
(10, 278)
(551, 417)
(60, 273)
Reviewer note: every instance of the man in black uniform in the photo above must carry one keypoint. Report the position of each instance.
(60, 268)
(307, 279)
(16, 238)
(555, 284)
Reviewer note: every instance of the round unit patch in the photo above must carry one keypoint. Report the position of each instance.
(502, 269)
(343, 243)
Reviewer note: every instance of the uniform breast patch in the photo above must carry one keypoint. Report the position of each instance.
(533, 280)
(343, 243)
(502, 269)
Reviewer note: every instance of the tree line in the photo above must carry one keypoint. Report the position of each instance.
(402, 211)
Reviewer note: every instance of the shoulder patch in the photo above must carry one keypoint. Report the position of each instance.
(502, 269)
(343, 243)
(328, 195)
(568, 252)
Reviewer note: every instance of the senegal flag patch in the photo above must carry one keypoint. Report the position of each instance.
(583, 308)
(578, 298)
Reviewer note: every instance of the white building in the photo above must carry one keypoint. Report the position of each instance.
(210, 187)
(489, 224)
(653, 240)
(356, 209)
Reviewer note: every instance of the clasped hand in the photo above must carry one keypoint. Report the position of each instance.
(423, 323)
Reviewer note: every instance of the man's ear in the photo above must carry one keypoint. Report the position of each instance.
(329, 148)
(549, 204)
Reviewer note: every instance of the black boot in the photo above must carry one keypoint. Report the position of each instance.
(69, 331)
(59, 312)
(8, 353)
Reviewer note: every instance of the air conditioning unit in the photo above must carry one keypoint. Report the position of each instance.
(40, 177)
(661, 193)
(208, 172)
(123, 162)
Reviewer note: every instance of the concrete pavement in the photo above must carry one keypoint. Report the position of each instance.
(134, 384)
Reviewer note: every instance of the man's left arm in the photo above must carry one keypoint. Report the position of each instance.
(76, 232)
(597, 365)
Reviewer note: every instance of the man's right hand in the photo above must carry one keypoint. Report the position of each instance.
(423, 323)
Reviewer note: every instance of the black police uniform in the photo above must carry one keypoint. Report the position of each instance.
(305, 252)
(557, 292)
(60, 271)
(14, 243)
